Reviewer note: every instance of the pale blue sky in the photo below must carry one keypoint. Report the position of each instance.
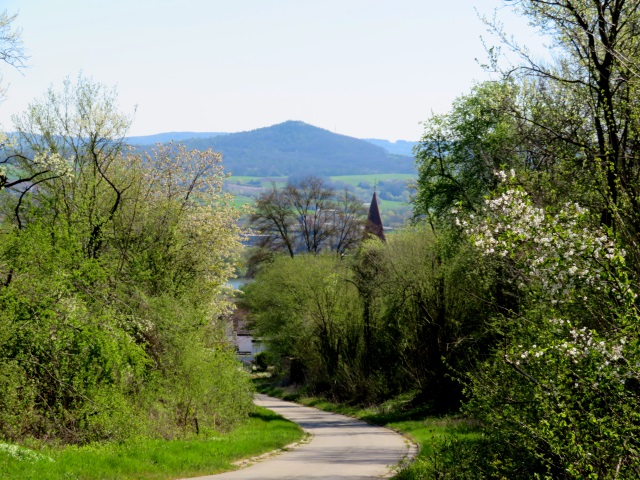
(365, 68)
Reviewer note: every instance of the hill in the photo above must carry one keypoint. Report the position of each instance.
(170, 136)
(293, 148)
(399, 147)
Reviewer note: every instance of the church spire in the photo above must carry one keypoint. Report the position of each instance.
(374, 220)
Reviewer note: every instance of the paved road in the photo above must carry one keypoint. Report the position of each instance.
(341, 448)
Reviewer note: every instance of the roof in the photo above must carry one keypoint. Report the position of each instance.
(374, 220)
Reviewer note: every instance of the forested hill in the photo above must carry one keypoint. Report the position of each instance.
(294, 147)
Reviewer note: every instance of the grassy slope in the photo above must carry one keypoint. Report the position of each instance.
(240, 201)
(156, 459)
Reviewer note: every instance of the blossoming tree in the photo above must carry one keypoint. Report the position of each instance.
(564, 380)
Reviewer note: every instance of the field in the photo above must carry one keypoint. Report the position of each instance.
(392, 189)
(372, 179)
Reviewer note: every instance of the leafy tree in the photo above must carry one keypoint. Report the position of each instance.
(459, 151)
(590, 99)
(398, 316)
(112, 272)
(562, 385)
(305, 309)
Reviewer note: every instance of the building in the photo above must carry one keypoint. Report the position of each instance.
(374, 220)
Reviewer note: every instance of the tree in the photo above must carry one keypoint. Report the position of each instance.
(12, 53)
(562, 384)
(11, 49)
(460, 151)
(112, 277)
(308, 216)
(347, 222)
(76, 135)
(305, 309)
(592, 92)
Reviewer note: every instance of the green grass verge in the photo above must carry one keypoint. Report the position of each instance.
(152, 459)
(434, 434)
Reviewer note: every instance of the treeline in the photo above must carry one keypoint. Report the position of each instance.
(387, 320)
(111, 273)
(516, 294)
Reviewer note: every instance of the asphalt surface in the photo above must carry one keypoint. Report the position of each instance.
(341, 448)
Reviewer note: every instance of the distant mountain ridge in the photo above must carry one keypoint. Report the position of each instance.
(170, 136)
(399, 147)
(293, 148)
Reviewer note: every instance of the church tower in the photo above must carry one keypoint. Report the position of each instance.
(374, 220)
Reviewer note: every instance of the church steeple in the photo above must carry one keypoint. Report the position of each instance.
(374, 220)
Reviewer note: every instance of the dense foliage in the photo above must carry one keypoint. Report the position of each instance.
(385, 321)
(520, 299)
(554, 211)
(111, 274)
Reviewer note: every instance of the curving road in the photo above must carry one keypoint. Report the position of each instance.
(341, 448)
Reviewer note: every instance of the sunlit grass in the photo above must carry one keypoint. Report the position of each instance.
(240, 201)
(155, 459)
(371, 179)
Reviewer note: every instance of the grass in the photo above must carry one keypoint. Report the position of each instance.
(430, 432)
(386, 205)
(266, 181)
(152, 459)
(394, 213)
(350, 179)
(355, 180)
(240, 200)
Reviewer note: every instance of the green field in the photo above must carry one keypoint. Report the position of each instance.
(246, 180)
(151, 459)
(240, 200)
(394, 212)
(354, 180)
(386, 205)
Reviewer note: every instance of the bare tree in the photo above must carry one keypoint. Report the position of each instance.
(349, 221)
(273, 218)
(312, 202)
(308, 216)
(12, 53)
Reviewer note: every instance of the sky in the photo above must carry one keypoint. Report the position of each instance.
(363, 68)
